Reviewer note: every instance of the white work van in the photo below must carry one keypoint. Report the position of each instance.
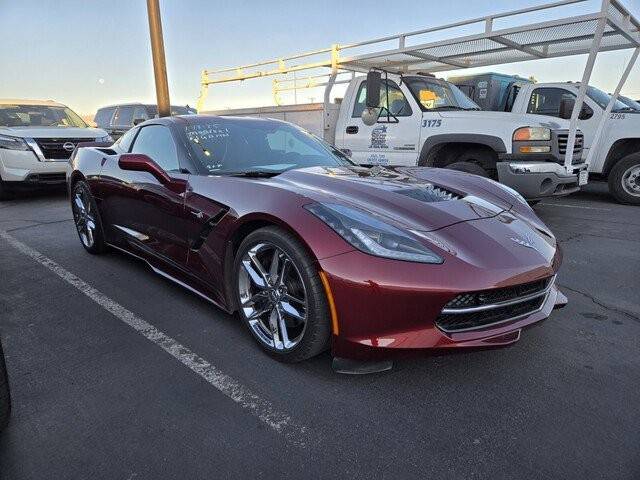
(426, 121)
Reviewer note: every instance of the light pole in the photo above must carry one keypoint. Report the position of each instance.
(159, 62)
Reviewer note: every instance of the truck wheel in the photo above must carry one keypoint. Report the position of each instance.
(468, 167)
(624, 180)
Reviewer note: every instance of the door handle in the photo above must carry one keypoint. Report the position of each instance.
(352, 129)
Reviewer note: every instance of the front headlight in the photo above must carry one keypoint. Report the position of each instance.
(371, 235)
(12, 143)
(105, 139)
(532, 133)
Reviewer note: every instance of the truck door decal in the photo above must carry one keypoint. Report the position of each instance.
(618, 116)
(379, 137)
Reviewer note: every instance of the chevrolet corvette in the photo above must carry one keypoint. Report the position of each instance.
(313, 252)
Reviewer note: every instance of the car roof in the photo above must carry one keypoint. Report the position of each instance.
(137, 104)
(23, 101)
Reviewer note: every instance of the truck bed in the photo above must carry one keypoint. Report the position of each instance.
(309, 116)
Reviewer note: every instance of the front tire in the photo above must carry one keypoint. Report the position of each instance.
(87, 219)
(280, 296)
(624, 180)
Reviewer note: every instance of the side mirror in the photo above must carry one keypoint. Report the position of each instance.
(374, 81)
(138, 121)
(566, 108)
(138, 162)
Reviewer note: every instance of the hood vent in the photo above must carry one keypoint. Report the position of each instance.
(429, 193)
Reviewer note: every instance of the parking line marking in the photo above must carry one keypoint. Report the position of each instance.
(574, 206)
(230, 387)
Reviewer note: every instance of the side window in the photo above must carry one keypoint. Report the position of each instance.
(511, 98)
(124, 142)
(103, 117)
(140, 113)
(395, 101)
(156, 142)
(123, 116)
(546, 101)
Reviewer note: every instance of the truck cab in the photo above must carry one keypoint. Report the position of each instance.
(616, 156)
(427, 121)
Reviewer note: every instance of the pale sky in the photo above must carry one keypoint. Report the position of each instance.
(88, 54)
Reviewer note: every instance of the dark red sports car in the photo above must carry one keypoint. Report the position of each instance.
(262, 218)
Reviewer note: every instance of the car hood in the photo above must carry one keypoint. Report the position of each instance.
(524, 119)
(53, 132)
(421, 199)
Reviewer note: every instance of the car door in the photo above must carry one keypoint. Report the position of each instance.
(146, 214)
(394, 139)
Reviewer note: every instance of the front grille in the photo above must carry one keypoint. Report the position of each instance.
(474, 310)
(52, 148)
(47, 178)
(563, 139)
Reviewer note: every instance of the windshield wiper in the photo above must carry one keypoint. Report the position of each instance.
(255, 173)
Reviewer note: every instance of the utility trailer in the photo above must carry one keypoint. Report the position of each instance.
(435, 125)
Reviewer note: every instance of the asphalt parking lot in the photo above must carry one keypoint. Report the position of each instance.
(118, 373)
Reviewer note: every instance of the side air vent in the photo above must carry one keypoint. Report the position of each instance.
(207, 228)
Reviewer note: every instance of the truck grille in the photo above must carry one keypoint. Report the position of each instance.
(53, 148)
(474, 310)
(563, 139)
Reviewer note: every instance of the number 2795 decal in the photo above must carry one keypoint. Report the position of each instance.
(431, 123)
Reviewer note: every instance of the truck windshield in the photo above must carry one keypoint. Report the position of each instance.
(39, 116)
(630, 103)
(602, 99)
(433, 95)
(231, 146)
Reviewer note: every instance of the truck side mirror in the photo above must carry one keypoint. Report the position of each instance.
(374, 80)
(138, 121)
(566, 108)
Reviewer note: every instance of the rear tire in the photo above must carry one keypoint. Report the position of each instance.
(87, 219)
(5, 397)
(624, 180)
(282, 302)
(468, 167)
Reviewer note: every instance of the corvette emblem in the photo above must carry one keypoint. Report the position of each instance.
(525, 241)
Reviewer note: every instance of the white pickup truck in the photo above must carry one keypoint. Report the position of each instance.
(37, 138)
(429, 122)
(615, 158)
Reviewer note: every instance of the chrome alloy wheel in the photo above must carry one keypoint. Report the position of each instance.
(84, 217)
(273, 297)
(631, 180)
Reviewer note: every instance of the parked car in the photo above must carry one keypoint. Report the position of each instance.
(616, 157)
(117, 119)
(5, 397)
(313, 251)
(36, 140)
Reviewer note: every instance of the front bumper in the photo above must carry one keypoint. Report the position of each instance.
(22, 167)
(385, 310)
(536, 180)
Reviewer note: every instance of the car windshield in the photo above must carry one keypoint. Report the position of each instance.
(602, 99)
(225, 146)
(39, 116)
(437, 95)
(630, 103)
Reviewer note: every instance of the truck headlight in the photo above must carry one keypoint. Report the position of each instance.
(12, 143)
(371, 235)
(106, 138)
(532, 133)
